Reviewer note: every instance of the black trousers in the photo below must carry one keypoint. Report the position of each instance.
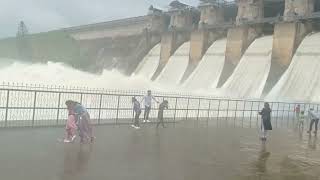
(160, 119)
(146, 112)
(314, 121)
(136, 119)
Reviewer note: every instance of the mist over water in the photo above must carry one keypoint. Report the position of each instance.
(60, 74)
(53, 73)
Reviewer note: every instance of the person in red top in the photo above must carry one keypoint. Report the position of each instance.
(297, 110)
(71, 127)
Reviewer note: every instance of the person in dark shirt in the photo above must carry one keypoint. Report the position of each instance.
(137, 111)
(162, 106)
(266, 120)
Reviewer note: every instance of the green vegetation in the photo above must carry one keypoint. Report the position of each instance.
(55, 46)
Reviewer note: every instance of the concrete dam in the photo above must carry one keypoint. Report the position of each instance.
(248, 49)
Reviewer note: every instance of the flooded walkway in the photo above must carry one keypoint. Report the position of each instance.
(174, 153)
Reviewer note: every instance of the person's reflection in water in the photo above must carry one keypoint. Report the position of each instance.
(312, 142)
(264, 155)
(76, 161)
(259, 167)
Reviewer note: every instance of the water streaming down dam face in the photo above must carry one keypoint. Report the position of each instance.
(149, 64)
(300, 82)
(249, 77)
(173, 72)
(208, 71)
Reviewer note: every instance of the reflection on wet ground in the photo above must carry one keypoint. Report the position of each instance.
(183, 152)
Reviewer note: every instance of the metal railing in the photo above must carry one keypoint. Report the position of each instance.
(36, 108)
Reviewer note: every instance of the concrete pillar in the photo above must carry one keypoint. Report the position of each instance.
(158, 23)
(211, 14)
(170, 41)
(249, 10)
(298, 8)
(287, 38)
(202, 38)
(181, 18)
(240, 37)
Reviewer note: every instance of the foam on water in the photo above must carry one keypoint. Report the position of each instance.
(249, 77)
(149, 64)
(172, 73)
(300, 82)
(208, 71)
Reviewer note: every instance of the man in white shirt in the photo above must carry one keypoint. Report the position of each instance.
(314, 117)
(147, 104)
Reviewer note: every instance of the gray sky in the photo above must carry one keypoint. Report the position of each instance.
(45, 15)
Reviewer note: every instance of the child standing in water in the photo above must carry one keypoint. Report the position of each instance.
(137, 111)
(71, 127)
(266, 121)
(162, 106)
(301, 120)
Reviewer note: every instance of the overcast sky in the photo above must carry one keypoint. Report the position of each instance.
(45, 15)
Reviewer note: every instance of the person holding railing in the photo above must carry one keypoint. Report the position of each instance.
(162, 107)
(82, 120)
(137, 111)
(266, 121)
(147, 104)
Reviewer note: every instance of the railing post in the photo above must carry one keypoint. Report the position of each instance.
(257, 113)
(218, 113)
(251, 113)
(187, 113)
(278, 104)
(208, 115)
(198, 109)
(283, 110)
(100, 105)
(175, 111)
(58, 111)
(81, 98)
(243, 112)
(118, 104)
(289, 115)
(34, 107)
(7, 109)
(227, 112)
(235, 114)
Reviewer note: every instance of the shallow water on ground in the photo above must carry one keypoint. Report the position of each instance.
(183, 152)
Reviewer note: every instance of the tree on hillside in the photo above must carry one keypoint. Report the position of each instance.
(23, 44)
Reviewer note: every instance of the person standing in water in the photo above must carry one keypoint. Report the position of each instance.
(137, 111)
(314, 120)
(147, 104)
(266, 121)
(297, 110)
(162, 106)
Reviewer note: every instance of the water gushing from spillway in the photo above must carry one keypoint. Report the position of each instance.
(173, 72)
(300, 82)
(149, 64)
(208, 71)
(250, 75)
(60, 74)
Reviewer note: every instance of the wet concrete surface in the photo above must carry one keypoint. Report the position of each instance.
(182, 152)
